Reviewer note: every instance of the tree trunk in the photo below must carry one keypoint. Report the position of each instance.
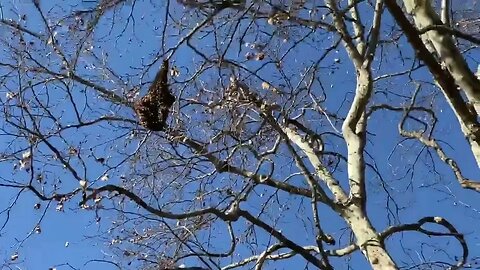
(367, 238)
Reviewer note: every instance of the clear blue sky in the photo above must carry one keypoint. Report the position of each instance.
(433, 193)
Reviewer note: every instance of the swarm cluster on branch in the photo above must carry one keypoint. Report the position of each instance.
(153, 109)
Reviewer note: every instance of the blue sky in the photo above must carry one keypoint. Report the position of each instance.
(130, 44)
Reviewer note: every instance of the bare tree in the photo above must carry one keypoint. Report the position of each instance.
(286, 117)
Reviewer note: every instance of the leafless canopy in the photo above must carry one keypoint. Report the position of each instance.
(276, 134)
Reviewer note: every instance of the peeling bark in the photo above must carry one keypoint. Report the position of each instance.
(425, 16)
(368, 239)
(443, 77)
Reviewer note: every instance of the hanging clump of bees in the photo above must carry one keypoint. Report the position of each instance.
(153, 109)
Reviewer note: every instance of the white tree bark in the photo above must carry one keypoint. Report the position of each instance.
(361, 54)
(425, 16)
(354, 130)
(368, 239)
(353, 209)
(444, 47)
(352, 212)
